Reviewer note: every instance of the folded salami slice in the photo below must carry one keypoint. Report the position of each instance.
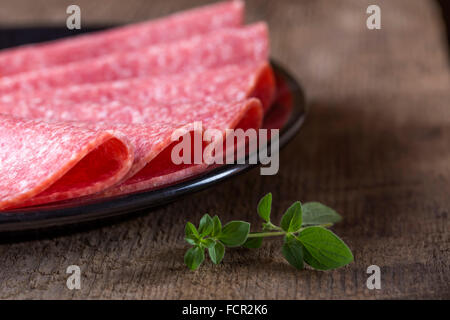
(154, 167)
(161, 169)
(122, 39)
(147, 142)
(114, 99)
(214, 50)
(152, 142)
(48, 162)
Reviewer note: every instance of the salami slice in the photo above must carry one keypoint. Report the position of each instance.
(111, 99)
(214, 50)
(147, 142)
(49, 161)
(122, 39)
(152, 165)
(161, 170)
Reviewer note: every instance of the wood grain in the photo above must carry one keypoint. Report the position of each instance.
(376, 146)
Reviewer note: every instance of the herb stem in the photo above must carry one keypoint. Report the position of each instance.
(281, 233)
(271, 226)
(266, 234)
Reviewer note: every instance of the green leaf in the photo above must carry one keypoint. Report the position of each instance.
(315, 213)
(264, 207)
(217, 226)
(194, 258)
(313, 262)
(191, 241)
(191, 231)
(292, 218)
(206, 225)
(208, 243)
(253, 243)
(293, 252)
(217, 252)
(325, 250)
(234, 233)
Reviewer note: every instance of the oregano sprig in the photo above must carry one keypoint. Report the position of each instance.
(303, 228)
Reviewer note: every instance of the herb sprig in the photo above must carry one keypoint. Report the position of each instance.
(303, 228)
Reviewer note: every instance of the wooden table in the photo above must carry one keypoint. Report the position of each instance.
(376, 146)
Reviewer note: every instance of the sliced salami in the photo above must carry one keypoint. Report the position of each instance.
(214, 50)
(94, 116)
(122, 39)
(152, 166)
(130, 98)
(49, 161)
(162, 171)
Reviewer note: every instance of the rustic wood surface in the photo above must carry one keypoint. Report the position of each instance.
(376, 146)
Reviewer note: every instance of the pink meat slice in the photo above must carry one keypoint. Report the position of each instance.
(162, 171)
(55, 161)
(114, 99)
(147, 142)
(152, 166)
(214, 50)
(122, 39)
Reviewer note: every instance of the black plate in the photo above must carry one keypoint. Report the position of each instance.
(288, 114)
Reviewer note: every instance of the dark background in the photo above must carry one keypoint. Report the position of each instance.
(445, 5)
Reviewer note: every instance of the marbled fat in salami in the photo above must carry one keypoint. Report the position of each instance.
(216, 49)
(130, 98)
(123, 39)
(46, 162)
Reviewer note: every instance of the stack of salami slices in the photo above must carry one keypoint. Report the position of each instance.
(93, 115)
